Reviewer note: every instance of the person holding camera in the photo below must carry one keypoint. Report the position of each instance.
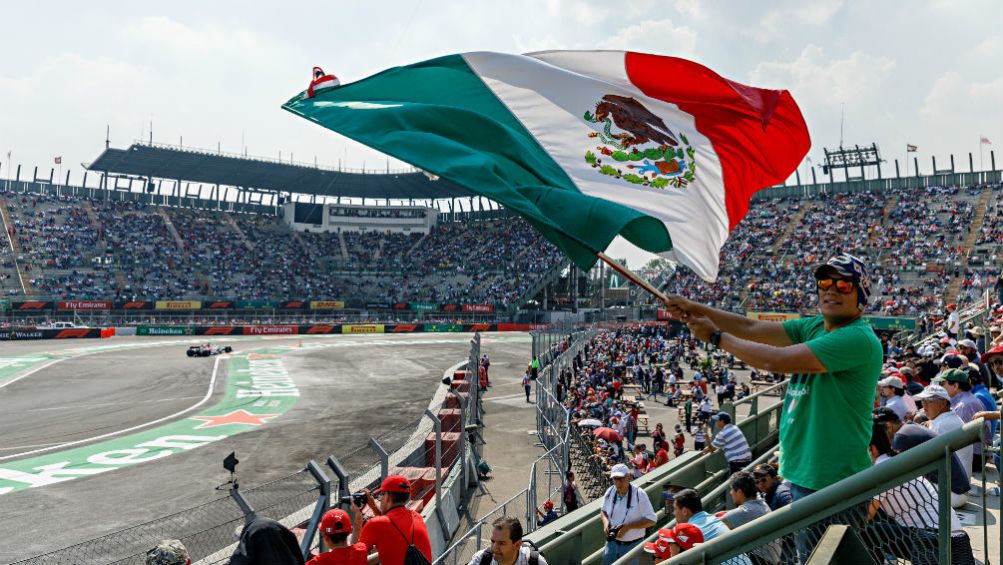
(626, 513)
(394, 528)
(336, 531)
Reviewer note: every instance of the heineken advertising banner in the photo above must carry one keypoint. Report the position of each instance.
(257, 304)
(889, 323)
(444, 327)
(165, 330)
(4, 305)
(423, 306)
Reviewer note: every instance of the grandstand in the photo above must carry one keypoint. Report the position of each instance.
(283, 233)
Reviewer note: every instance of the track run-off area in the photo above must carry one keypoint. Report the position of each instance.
(100, 436)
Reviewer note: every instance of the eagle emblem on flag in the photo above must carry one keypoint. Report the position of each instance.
(637, 146)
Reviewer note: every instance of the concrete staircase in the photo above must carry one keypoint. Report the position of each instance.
(973, 235)
(92, 217)
(344, 247)
(240, 233)
(170, 227)
(16, 248)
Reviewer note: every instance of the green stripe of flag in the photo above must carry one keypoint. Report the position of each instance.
(439, 116)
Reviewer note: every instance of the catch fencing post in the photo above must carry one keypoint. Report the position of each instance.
(323, 503)
(343, 478)
(437, 426)
(384, 458)
(463, 435)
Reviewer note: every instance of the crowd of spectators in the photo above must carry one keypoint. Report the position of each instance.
(89, 249)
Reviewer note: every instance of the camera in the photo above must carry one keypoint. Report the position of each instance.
(611, 535)
(358, 499)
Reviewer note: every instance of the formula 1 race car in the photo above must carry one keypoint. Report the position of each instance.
(207, 349)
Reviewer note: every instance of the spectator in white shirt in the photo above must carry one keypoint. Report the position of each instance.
(626, 512)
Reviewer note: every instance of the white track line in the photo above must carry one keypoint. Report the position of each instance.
(31, 372)
(208, 394)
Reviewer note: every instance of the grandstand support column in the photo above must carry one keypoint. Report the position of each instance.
(344, 480)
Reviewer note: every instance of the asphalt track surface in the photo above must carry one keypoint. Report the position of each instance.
(348, 393)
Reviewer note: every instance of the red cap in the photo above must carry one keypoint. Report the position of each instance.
(998, 350)
(548, 505)
(952, 306)
(686, 536)
(335, 521)
(395, 483)
(660, 547)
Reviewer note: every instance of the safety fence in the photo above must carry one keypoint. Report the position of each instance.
(427, 451)
(554, 347)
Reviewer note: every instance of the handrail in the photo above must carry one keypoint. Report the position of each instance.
(832, 499)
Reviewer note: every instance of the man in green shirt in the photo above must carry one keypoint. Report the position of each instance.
(834, 360)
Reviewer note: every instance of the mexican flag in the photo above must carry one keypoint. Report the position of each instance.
(586, 145)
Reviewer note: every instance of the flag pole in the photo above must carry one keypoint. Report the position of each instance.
(633, 277)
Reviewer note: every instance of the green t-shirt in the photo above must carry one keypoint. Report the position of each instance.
(825, 427)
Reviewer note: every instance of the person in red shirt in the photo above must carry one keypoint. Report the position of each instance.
(661, 457)
(394, 527)
(335, 530)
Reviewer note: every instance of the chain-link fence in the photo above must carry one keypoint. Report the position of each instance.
(554, 347)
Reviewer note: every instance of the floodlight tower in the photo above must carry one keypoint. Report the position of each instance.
(851, 159)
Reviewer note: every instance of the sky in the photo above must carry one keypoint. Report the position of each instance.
(214, 74)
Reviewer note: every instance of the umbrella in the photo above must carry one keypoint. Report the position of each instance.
(589, 423)
(608, 434)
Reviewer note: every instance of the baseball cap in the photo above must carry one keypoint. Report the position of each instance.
(549, 505)
(723, 416)
(952, 360)
(395, 483)
(335, 521)
(952, 376)
(660, 547)
(966, 343)
(998, 350)
(168, 552)
(892, 382)
(846, 265)
(906, 371)
(619, 470)
(885, 414)
(685, 536)
(933, 391)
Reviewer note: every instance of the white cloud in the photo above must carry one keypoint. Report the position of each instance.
(690, 9)
(950, 91)
(856, 78)
(990, 47)
(532, 44)
(818, 12)
(654, 36)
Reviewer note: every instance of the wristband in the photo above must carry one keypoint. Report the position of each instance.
(715, 338)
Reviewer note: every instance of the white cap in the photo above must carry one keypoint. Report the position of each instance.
(933, 391)
(619, 470)
(892, 382)
(967, 343)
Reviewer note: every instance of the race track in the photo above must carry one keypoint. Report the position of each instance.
(64, 404)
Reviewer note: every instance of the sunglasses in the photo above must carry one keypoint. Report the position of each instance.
(843, 286)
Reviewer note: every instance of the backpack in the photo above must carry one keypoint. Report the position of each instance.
(534, 555)
(413, 555)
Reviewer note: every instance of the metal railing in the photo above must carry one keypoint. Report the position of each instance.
(927, 539)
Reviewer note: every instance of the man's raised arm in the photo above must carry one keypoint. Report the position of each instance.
(769, 333)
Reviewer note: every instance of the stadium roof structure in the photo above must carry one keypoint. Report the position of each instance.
(165, 162)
